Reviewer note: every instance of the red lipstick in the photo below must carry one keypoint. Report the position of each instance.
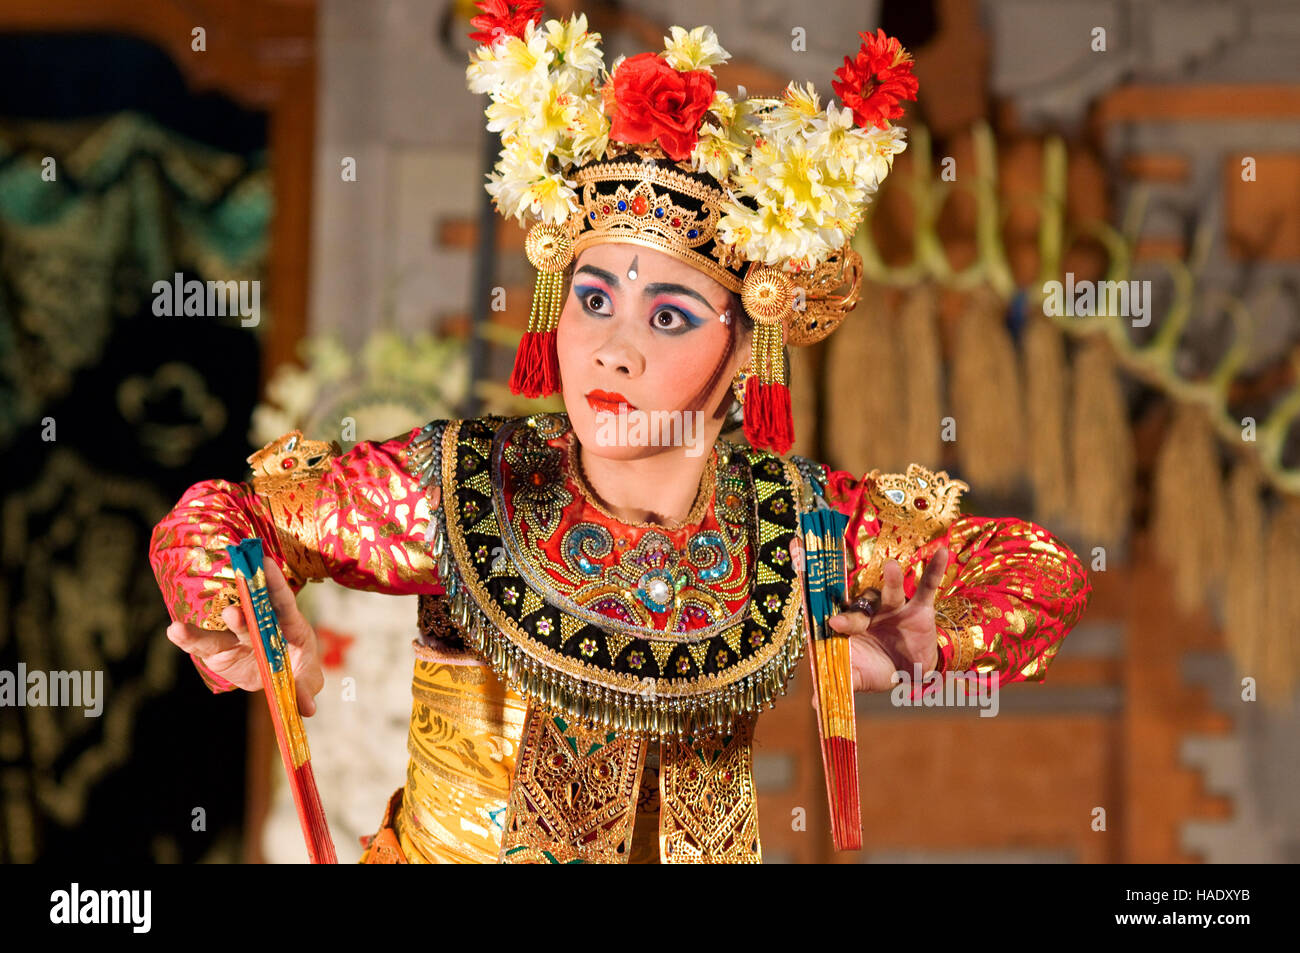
(605, 402)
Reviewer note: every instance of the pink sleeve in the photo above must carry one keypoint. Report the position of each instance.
(358, 518)
(1011, 592)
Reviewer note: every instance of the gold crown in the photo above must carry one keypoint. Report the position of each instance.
(652, 206)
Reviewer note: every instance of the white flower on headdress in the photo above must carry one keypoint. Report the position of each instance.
(722, 145)
(698, 49)
(724, 107)
(511, 64)
(879, 148)
(543, 120)
(795, 114)
(832, 139)
(769, 235)
(520, 184)
(590, 133)
(578, 52)
(716, 153)
(795, 181)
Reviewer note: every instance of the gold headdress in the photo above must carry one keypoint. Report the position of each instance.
(763, 195)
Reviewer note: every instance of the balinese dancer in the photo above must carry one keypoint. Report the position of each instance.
(610, 596)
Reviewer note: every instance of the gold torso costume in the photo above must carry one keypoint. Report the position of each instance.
(624, 740)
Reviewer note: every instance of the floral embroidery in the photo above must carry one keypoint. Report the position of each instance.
(536, 485)
(675, 580)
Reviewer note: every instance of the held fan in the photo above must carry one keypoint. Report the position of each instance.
(277, 680)
(825, 585)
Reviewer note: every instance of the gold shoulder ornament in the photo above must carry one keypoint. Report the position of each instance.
(911, 509)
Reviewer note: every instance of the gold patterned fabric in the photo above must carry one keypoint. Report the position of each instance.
(575, 793)
(707, 801)
(463, 742)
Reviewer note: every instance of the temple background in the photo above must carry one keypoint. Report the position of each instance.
(1141, 713)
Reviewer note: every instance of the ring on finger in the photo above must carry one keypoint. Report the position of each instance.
(868, 603)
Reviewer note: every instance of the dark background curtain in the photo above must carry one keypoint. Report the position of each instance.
(150, 179)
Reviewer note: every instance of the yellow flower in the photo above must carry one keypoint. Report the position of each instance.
(795, 113)
(838, 150)
(512, 65)
(554, 118)
(797, 180)
(590, 131)
(508, 110)
(724, 107)
(521, 185)
(879, 146)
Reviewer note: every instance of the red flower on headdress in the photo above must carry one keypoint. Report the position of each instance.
(652, 102)
(504, 18)
(872, 83)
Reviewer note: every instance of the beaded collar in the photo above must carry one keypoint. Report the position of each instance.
(640, 628)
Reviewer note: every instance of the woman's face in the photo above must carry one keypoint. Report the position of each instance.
(640, 337)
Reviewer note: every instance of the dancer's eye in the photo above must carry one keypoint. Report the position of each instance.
(673, 321)
(595, 301)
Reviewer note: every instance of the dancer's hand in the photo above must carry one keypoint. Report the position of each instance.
(900, 633)
(230, 654)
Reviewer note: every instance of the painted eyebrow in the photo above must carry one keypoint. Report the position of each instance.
(653, 288)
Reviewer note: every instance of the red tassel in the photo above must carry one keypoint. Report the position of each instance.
(768, 420)
(537, 365)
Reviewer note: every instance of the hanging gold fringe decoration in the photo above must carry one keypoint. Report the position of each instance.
(1245, 625)
(1280, 657)
(1189, 520)
(1046, 396)
(920, 357)
(986, 398)
(864, 374)
(1101, 458)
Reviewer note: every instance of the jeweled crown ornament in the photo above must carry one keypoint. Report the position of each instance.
(761, 194)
